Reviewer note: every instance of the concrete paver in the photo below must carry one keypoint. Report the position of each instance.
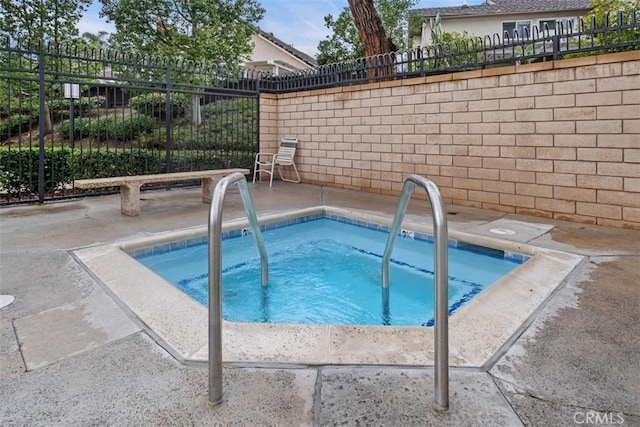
(11, 363)
(508, 229)
(134, 382)
(40, 279)
(71, 329)
(591, 344)
(375, 396)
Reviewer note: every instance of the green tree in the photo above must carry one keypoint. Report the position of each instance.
(600, 7)
(52, 21)
(37, 21)
(215, 31)
(345, 44)
(95, 41)
(196, 30)
(614, 13)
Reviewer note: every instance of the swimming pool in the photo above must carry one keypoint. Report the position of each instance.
(477, 330)
(327, 270)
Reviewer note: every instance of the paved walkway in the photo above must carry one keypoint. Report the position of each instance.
(69, 355)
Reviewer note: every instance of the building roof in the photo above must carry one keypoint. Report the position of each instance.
(503, 7)
(289, 48)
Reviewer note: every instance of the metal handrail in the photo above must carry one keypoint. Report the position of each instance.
(215, 273)
(441, 241)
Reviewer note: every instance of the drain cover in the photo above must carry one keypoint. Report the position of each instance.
(503, 231)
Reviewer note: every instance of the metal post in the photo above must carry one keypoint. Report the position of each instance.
(441, 268)
(441, 261)
(556, 46)
(72, 120)
(215, 294)
(168, 108)
(42, 124)
(215, 273)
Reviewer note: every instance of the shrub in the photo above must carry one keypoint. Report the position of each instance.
(16, 124)
(58, 107)
(191, 138)
(156, 140)
(184, 161)
(237, 108)
(114, 162)
(229, 125)
(19, 167)
(201, 138)
(61, 108)
(107, 128)
(155, 104)
(614, 14)
(26, 106)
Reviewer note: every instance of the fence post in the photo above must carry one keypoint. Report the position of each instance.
(168, 120)
(42, 124)
(556, 46)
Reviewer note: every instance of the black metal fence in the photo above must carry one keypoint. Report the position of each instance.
(67, 114)
(616, 32)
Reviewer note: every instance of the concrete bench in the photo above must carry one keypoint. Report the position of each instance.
(130, 185)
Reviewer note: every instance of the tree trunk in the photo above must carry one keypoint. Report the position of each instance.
(48, 125)
(372, 36)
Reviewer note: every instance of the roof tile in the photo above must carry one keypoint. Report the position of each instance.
(501, 7)
(289, 48)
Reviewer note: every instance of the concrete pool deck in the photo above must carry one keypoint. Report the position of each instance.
(70, 355)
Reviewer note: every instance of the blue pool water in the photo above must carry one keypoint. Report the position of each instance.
(328, 271)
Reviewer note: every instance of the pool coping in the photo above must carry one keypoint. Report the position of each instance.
(478, 331)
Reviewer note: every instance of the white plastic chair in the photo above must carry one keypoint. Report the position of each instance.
(266, 162)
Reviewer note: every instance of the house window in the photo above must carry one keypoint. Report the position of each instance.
(549, 24)
(523, 29)
(555, 25)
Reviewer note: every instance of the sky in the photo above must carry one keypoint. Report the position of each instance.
(296, 22)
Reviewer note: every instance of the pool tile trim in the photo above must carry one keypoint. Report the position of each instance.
(279, 223)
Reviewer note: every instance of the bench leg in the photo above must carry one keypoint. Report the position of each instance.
(130, 199)
(208, 185)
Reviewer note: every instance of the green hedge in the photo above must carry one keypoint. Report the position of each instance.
(24, 107)
(19, 117)
(205, 137)
(155, 104)
(107, 128)
(61, 108)
(19, 168)
(15, 125)
(58, 107)
(227, 124)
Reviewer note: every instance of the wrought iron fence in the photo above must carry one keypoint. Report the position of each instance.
(67, 114)
(616, 32)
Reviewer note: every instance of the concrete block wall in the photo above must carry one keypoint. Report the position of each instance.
(268, 111)
(558, 139)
